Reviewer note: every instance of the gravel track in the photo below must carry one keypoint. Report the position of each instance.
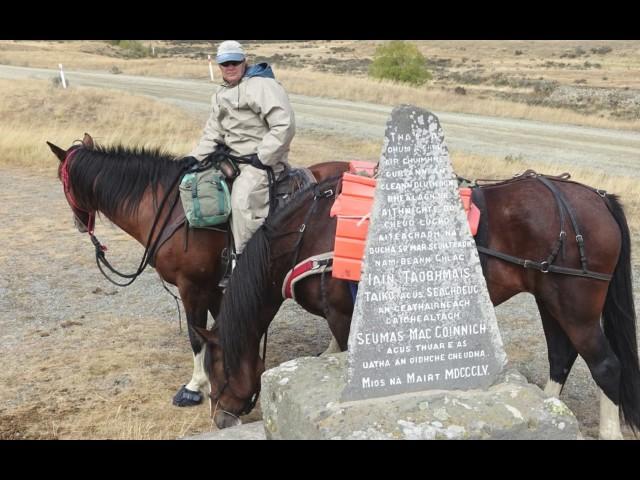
(610, 151)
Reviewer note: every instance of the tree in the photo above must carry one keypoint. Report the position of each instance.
(400, 61)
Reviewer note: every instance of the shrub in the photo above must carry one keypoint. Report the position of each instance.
(399, 61)
(131, 48)
(601, 50)
(460, 91)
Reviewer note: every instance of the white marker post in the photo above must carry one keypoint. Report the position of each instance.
(64, 82)
(153, 50)
(210, 67)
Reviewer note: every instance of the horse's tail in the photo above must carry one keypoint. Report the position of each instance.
(619, 321)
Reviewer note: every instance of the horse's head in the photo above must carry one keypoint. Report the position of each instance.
(83, 219)
(232, 393)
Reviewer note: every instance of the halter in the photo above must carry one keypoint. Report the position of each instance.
(66, 185)
(250, 402)
(248, 406)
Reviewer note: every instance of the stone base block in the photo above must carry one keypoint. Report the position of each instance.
(249, 431)
(301, 400)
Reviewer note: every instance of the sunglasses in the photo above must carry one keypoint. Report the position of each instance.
(234, 63)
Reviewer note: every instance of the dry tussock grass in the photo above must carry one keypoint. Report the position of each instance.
(391, 93)
(34, 111)
(619, 67)
(132, 367)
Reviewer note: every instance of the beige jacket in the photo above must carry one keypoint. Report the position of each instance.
(255, 116)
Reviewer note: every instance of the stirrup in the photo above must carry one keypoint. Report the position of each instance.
(224, 282)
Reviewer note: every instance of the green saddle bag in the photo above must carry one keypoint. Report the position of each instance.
(205, 198)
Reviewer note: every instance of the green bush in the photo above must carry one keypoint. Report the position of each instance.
(131, 48)
(399, 61)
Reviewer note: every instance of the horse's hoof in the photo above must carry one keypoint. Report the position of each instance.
(187, 398)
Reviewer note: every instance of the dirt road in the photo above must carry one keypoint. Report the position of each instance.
(610, 151)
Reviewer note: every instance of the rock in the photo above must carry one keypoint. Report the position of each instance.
(301, 400)
(249, 431)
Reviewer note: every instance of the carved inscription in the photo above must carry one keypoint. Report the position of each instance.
(423, 318)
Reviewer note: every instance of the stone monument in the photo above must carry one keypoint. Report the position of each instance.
(425, 356)
(423, 318)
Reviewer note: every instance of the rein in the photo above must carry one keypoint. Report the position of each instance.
(150, 249)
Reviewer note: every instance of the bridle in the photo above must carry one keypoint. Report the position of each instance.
(66, 185)
(247, 407)
(250, 403)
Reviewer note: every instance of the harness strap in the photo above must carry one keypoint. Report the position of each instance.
(68, 193)
(298, 245)
(564, 204)
(167, 233)
(545, 267)
(311, 266)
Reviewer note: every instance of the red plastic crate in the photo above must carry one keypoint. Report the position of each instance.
(355, 203)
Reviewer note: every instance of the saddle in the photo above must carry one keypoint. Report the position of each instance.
(290, 181)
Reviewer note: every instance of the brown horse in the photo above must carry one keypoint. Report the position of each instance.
(531, 217)
(125, 185)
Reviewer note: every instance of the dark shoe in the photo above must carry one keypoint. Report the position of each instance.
(187, 398)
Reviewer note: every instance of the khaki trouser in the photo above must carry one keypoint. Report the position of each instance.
(249, 203)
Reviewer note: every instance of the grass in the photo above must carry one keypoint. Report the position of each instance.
(390, 93)
(34, 112)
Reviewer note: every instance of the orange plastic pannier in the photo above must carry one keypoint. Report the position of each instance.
(353, 207)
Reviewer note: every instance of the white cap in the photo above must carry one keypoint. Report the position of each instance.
(229, 51)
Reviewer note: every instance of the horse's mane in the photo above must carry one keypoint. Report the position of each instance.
(249, 285)
(114, 179)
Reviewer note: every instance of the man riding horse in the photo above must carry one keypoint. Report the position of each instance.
(250, 117)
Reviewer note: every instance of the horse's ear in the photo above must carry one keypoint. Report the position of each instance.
(57, 151)
(204, 335)
(87, 141)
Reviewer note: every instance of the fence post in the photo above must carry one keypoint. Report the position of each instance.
(64, 82)
(210, 67)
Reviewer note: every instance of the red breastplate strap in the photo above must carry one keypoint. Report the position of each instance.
(311, 266)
